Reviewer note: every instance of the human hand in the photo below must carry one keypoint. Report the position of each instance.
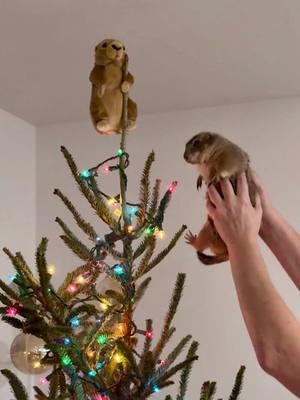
(266, 203)
(235, 219)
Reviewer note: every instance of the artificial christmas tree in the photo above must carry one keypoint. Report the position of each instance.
(90, 338)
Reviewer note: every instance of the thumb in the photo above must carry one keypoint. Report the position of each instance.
(211, 209)
(256, 179)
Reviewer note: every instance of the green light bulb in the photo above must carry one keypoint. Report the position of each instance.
(102, 339)
(66, 360)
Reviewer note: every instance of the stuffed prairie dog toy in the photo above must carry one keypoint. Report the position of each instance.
(108, 87)
(215, 157)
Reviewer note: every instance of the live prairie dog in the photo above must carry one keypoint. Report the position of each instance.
(215, 157)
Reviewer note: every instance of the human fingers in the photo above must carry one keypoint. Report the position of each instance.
(258, 205)
(214, 195)
(227, 188)
(211, 209)
(242, 187)
(256, 179)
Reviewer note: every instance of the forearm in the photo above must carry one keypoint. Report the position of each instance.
(284, 242)
(273, 329)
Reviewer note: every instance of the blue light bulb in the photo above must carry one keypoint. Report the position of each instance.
(99, 365)
(11, 277)
(75, 322)
(156, 389)
(85, 174)
(67, 341)
(92, 373)
(133, 210)
(119, 270)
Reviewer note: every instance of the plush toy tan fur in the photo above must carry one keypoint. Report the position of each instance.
(107, 88)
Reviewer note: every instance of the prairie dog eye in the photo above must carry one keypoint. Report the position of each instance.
(104, 45)
(196, 143)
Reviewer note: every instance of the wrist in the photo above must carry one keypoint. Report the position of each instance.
(269, 220)
(243, 246)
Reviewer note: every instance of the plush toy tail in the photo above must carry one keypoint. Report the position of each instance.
(210, 260)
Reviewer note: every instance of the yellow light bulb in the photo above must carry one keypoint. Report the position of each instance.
(104, 305)
(121, 329)
(80, 279)
(118, 358)
(117, 212)
(51, 269)
(36, 364)
(161, 234)
(90, 353)
(130, 229)
(111, 201)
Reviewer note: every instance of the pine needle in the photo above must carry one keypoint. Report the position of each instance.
(85, 226)
(176, 296)
(140, 291)
(144, 190)
(208, 390)
(185, 373)
(166, 251)
(16, 385)
(97, 203)
(237, 388)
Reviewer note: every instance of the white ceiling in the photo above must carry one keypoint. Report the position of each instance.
(183, 53)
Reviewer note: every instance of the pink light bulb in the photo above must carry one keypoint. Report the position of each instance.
(100, 265)
(72, 288)
(149, 334)
(105, 169)
(172, 187)
(99, 397)
(11, 311)
(44, 381)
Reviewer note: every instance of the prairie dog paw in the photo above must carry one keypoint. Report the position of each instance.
(190, 238)
(100, 91)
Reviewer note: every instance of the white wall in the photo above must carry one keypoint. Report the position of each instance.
(17, 212)
(269, 131)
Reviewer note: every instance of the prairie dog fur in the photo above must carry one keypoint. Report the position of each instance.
(215, 157)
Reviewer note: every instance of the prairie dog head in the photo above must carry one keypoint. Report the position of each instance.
(109, 50)
(198, 149)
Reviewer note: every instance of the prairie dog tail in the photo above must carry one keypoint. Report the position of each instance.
(210, 260)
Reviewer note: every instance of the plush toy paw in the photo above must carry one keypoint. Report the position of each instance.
(100, 91)
(190, 238)
(103, 126)
(131, 124)
(125, 87)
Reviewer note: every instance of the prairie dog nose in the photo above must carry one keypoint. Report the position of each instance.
(116, 47)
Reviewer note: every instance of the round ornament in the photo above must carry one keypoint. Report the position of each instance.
(26, 353)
